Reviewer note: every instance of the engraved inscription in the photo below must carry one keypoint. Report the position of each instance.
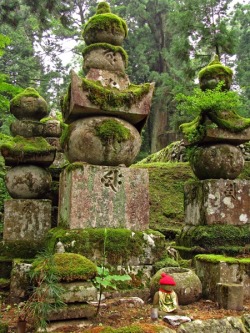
(230, 190)
(112, 179)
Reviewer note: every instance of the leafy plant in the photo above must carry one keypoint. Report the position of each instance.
(45, 296)
(104, 279)
(214, 100)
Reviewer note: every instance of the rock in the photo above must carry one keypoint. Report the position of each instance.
(78, 292)
(73, 311)
(27, 182)
(217, 161)
(102, 141)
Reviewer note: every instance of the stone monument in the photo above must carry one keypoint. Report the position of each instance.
(105, 113)
(27, 217)
(218, 197)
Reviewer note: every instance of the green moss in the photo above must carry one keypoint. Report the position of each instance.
(112, 98)
(21, 249)
(108, 22)
(214, 236)
(29, 92)
(3, 327)
(69, 266)
(18, 144)
(65, 135)
(120, 244)
(135, 328)
(216, 69)
(113, 48)
(166, 183)
(112, 130)
(229, 120)
(103, 7)
(220, 258)
(58, 117)
(193, 131)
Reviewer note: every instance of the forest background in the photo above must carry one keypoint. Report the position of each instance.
(169, 42)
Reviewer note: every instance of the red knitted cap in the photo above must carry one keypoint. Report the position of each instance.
(166, 279)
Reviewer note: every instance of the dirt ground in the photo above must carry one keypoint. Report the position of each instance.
(116, 314)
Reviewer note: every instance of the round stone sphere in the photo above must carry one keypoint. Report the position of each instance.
(28, 182)
(188, 285)
(28, 105)
(217, 161)
(102, 141)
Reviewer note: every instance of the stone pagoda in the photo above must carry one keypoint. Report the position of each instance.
(27, 217)
(217, 199)
(105, 114)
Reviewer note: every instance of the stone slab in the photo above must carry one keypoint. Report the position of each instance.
(80, 106)
(100, 196)
(26, 219)
(212, 273)
(78, 292)
(219, 201)
(230, 296)
(73, 311)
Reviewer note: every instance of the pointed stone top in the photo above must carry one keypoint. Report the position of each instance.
(102, 8)
(214, 73)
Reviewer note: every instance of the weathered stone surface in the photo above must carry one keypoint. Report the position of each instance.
(230, 296)
(29, 108)
(217, 161)
(52, 128)
(99, 196)
(103, 58)
(27, 182)
(27, 220)
(188, 285)
(86, 145)
(78, 292)
(109, 79)
(225, 325)
(212, 273)
(26, 128)
(20, 282)
(223, 136)
(42, 158)
(74, 311)
(80, 106)
(55, 142)
(217, 202)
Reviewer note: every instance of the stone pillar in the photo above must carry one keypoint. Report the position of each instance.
(27, 217)
(105, 113)
(230, 296)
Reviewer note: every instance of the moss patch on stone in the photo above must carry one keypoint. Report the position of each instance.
(212, 258)
(211, 238)
(112, 48)
(21, 249)
(18, 144)
(136, 328)
(28, 92)
(120, 244)
(107, 22)
(69, 267)
(110, 130)
(112, 98)
(166, 182)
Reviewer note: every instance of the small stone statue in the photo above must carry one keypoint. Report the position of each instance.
(60, 247)
(165, 299)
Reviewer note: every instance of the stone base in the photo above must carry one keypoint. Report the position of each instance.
(100, 196)
(26, 220)
(211, 273)
(230, 296)
(219, 201)
(74, 311)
